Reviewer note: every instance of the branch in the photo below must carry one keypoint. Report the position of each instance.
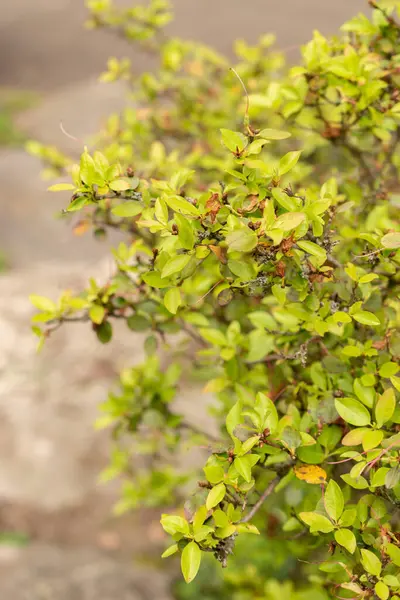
(272, 485)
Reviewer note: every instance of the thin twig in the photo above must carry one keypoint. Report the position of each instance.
(246, 114)
(259, 502)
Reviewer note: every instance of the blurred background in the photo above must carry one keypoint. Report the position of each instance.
(58, 540)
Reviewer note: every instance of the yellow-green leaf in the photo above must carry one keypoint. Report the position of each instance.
(127, 209)
(180, 205)
(61, 187)
(288, 161)
(316, 522)
(385, 407)
(334, 501)
(371, 562)
(289, 221)
(170, 551)
(42, 303)
(215, 495)
(175, 264)
(382, 590)
(313, 249)
(366, 318)
(391, 240)
(190, 561)
(346, 538)
(172, 300)
(274, 134)
(242, 239)
(120, 185)
(352, 411)
(97, 313)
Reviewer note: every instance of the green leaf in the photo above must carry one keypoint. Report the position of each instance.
(88, 173)
(274, 134)
(225, 532)
(382, 590)
(220, 518)
(175, 264)
(358, 483)
(180, 205)
(245, 270)
(314, 250)
(385, 406)
(394, 553)
(214, 474)
(289, 221)
(127, 209)
(242, 239)
(185, 232)
(267, 411)
(247, 528)
(364, 393)
(378, 478)
(368, 278)
(213, 336)
(366, 318)
(154, 279)
(170, 551)
(104, 332)
(392, 478)
(244, 464)
(161, 211)
(312, 455)
(260, 344)
(372, 439)
(97, 313)
(371, 562)
(348, 517)
(391, 581)
(77, 204)
(233, 140)
(330, 436)
(352, 411)
(355, 436)
(346, 538)
(233, 418)
(316, 522)
(388, 369)
(334, 501)
(215, 495)
(174, 524)
(199, 517)
(172, 300)
(120, 185)
(42, 303)
(288, 161)
(391, 240)
(262, 319)
(190, 561)
(61, 187)
(202, 533)
(287, 202)
(138, 323)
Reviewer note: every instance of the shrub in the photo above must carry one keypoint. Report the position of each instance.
(260, 209)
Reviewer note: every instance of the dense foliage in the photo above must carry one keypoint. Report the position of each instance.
(260, 211)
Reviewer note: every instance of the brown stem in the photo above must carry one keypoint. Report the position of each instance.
(267, 492)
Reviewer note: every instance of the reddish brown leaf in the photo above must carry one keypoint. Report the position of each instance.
(280, 269)
(213, 206)
(81, 228)
(220, 253)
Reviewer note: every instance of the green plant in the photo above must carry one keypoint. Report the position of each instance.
(276, 261)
